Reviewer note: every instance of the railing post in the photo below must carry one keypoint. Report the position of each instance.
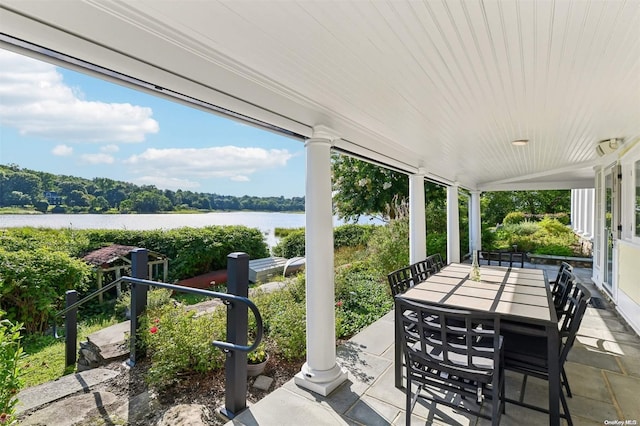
(139, 260)
(71, 329)
(237, 328)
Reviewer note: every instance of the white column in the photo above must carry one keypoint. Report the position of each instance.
(321, 373)
(579, 215)
(453, 225)
(573, 210)
(590, 207)
(417, 218)
(475, 232)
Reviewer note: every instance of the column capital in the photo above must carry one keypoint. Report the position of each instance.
(421, 171)
(320, 131)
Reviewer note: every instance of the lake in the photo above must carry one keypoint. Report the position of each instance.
(265, 221)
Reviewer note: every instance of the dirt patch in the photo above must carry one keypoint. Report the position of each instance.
(205, 389)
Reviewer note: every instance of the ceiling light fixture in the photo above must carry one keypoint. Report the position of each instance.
(520, 142)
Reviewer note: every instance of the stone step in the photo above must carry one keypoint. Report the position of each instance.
(37, 396)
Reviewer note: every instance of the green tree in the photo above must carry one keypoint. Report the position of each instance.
(99, 203)
(41, 205)
(362, 188)
(78, 198)
(150, 202)
(19, 187)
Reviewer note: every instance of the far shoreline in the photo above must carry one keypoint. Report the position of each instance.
(19, 211)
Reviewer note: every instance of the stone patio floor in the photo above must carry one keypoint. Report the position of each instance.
(603, 370)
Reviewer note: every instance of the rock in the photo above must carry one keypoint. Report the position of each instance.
(186, 415)
(263, 383)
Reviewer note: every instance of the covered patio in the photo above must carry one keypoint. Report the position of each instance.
(603, 370)
(474, 95)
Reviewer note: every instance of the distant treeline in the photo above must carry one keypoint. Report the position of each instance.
(44, 192)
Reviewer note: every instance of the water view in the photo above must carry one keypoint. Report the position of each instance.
(265, 221)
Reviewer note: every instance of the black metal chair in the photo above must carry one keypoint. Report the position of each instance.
(502, 258)
(465, 360)
(422, 270)
(436, 262)
(563, 266)
(561, 289)
(527, 354)
(401, 280)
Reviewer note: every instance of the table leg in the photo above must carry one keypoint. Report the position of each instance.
(554, 375)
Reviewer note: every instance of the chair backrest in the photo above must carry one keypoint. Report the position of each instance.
(563, 266)
(572, 315)
(422, 270)
(502, 258)
(436, 261)
(463, 343)
(561, 289)
(401, 280)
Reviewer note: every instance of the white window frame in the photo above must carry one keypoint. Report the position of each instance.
(629, 231)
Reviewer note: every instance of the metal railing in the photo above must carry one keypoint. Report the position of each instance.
(237, 303)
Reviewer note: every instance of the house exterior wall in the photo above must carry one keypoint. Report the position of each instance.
(626, 253)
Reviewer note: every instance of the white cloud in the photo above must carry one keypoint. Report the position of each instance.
(232, 162)
(62, 150)
(37, 102)
(100, 158)
(109, 148)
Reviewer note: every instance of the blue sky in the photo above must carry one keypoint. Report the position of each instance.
(64, 122)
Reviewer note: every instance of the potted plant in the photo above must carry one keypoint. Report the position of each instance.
(257, 360)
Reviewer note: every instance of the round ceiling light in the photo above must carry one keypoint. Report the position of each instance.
(520, 142)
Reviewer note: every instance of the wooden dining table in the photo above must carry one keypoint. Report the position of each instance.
(521, 296)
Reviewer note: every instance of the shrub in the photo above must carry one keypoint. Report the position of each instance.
(513, 218)
(352, 235)
(522, 228)
(437, 243)
(554, 227)
(291, 246)
(284, 317)
(156, 298)
(191, 251)
(389, 246)
(10, 381)
(361, 298)
(34, 283)
(178, 342)
(555, 250)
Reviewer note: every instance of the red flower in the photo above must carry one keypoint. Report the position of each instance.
(4, 417)
(339, 303)
(156, 321)
(153, 330)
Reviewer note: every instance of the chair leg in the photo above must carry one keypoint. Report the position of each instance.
(565, 382)
(409, 403)
(565, 408)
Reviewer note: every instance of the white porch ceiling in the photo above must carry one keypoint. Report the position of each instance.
(444, 85)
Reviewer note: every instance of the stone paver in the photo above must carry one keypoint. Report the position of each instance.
(75, 409)
(626, 391)
(45, 393)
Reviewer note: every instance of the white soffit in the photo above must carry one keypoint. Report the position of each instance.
(441, 84)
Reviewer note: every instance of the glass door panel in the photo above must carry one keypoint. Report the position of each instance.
(608, 232)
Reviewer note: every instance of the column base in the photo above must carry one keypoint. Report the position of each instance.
(321, 382)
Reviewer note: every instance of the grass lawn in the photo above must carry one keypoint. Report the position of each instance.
(44, 360)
